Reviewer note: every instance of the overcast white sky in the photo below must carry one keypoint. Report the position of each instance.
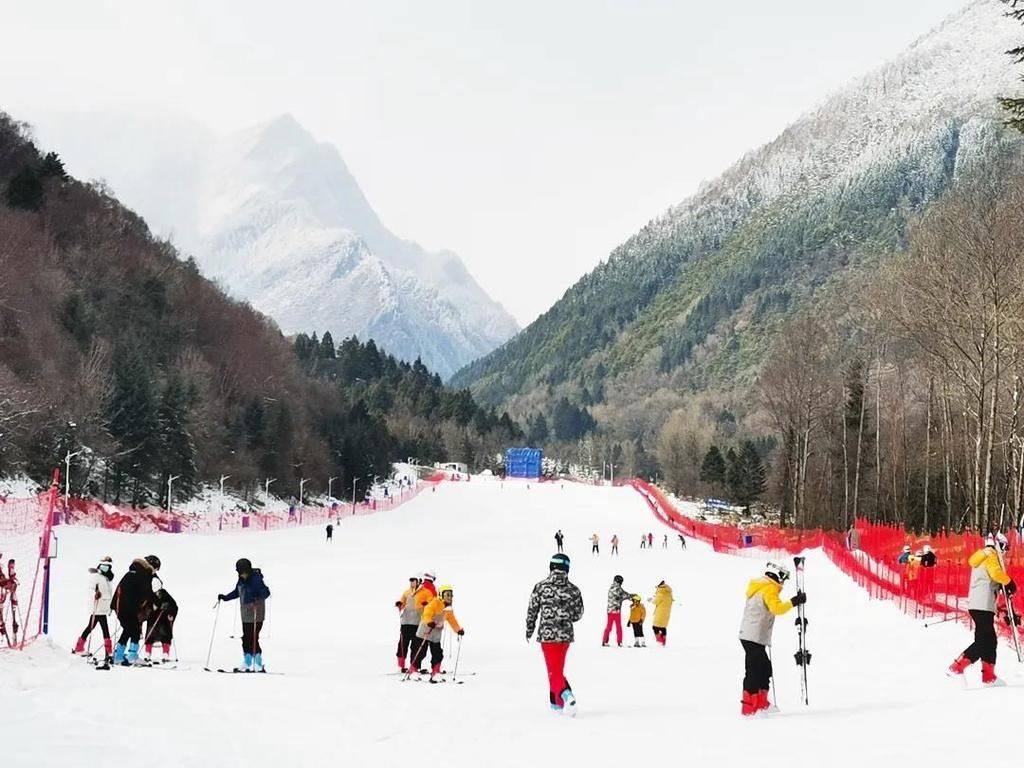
(530, 136)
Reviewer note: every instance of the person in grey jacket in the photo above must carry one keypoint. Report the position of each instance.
(616, 597)
(762, 606)
(557, 604)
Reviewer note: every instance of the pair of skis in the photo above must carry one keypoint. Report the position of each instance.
(1011, 613)
(802, 656)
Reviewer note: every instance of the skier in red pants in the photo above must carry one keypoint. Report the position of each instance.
(558, 604)
(616, 597)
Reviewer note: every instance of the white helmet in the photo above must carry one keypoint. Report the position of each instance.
(997, 540)
(429, 575)
(927, 548)
(778, 572)
(906, 547)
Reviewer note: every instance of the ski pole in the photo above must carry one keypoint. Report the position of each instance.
(775, 701)
(954, 617)
(458, 654)
(213, 634)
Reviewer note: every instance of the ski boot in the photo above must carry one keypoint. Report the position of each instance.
(257, 663)
(79, 647)
(988, 676)
(748, 704)
(246, 664)
(568, 702)
(956, 669)
(764, 704)
(436, 674)
(119, 654)
(401, 665)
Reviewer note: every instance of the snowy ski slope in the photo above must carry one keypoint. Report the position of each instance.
(877, 688)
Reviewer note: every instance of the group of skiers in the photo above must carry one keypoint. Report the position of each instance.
(423, 610)
(646, 542)
(662, 602)
(146, 613)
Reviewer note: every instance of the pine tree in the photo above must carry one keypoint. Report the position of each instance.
(1015, 105)
(712, 469)
(133, 423)
(752, 475)
(327, 351)
(733, 474)
(537, 430)
(177, 449)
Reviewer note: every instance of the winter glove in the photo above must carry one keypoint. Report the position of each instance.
(431, 625)
(1011, 588)
(799, 599)
(96, 596)
(398, 604)
(221, 597)
(462, 632)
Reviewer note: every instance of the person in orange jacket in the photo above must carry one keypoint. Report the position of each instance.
(987, 578)
(431, 629)
(762, 606)
(409, 621)
(637, 614)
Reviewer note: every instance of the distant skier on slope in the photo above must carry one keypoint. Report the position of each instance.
(616, 597)
(650, 541)
(557, 604)
(252, 593)
(987, 578)
(132, 598)
(102, 592)
(431, 629)
(662, 602)
(559, 539)
(330, 532)
(615, 544)
(759, 612)
(595, 544)
(409, 621)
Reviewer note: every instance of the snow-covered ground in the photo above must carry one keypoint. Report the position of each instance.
(877, 688)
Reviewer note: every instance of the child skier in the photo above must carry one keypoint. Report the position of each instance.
(662, 602)
(558, 604)
(102, 592)
(987, 578)
(132, 598)
(160, 626)
(431, 629)
(616, 597)
(637, 614)
(759, 612)
(409, 621)
(251, 593)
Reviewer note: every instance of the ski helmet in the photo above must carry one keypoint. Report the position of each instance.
(906, 547)
(154, 561)
(1002, 542)
(779, 573)
(927, 548)
(243, 565)
(635, 598)
(429, 576)
(617, 579)
(415, 577)
(446, 588)
(559, 562)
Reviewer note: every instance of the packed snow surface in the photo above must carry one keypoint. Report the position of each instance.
(877, 690)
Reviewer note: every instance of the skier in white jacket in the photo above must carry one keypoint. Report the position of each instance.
(101, 592)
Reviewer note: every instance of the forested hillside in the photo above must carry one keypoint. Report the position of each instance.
(113, 347)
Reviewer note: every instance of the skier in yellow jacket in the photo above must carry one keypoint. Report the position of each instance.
(662, 601)
(637, 614)
(987, 579)
(762, 606)
(437, 612)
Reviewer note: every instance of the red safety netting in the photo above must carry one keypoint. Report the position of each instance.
(868, 556)
(24, 550)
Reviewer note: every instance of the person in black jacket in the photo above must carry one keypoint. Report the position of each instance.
(252, 593)
(160, 624)
(928, 557)
(132, 600)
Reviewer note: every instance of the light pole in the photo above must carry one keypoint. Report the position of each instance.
(222, 479)
(170, 483)
(354, 481)
(302, 486)
(266, 486)
(67, 478)
(330, 484)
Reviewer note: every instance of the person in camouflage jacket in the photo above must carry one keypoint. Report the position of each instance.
(616, 597)
(558, 604)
